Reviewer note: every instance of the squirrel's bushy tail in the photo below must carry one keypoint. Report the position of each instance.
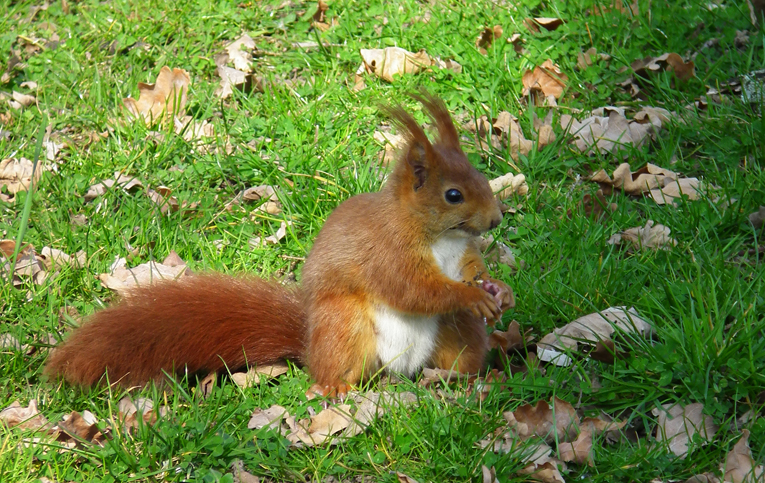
(199, 325)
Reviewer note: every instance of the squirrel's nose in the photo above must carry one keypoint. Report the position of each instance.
(496, 220)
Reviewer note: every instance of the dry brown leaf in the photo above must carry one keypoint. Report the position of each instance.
(16, 175)
(76, 427)
(447, 64)
(161, 101)
(122, 279)
(509, 340)
(499, 253)
(611, 429)
(579, 451)
(503, 131)
(670, 62)
(206, 386)
(589, 57)
(320, 20)
(677, 424)
(391, 61)
(551, 423)
(28, 263)
(322, 426)
(281, 232)
(591, 328)
(23, 417)
(128, 184)
(253, 375)
(757, 219)
(231, 79)
(271, 417)
(641, 181)
(545, 80)
(239, 52)
(403, 478)
(435, 376)
(598, 205)
(608, 130)
(673, 190)
(547, 23)
(489, 475)
(739, 465)
(487, 37)
(509, 184)
(24, 100)
(372, 405)
(548, 472)
(654, 236)
(703, 478)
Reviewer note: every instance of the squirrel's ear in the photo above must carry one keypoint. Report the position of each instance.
(418, 154)
(417, 159)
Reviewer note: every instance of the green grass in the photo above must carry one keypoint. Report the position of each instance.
(705, 300)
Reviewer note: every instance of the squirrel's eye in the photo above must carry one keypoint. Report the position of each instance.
(453, 196)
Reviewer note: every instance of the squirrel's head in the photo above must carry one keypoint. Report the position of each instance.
(436, 181)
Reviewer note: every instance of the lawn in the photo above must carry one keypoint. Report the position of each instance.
(303, 124)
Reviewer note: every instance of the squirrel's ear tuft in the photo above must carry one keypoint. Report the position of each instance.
(418, 153)
(437, 110)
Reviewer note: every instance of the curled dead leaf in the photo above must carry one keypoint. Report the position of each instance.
(757, 219)
(391, 61)
(15, 415)
(545, 80)
(677, 424)
(508, 185)
(739, 464)
(161, 101)
(671, 62)
(558, 422)
(121, 279)
(654, 236)
(591, 328)
(607, 130)
(487, 37)
(547, 23)
(16, 175)
(578, 451)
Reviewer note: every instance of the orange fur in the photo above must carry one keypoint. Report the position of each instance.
(385, 257)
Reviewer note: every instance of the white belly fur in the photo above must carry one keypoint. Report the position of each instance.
(405, 342)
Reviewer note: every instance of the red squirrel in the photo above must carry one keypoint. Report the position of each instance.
(394, 281)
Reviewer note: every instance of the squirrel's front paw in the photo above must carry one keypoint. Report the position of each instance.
(501, 291)
(486, 305)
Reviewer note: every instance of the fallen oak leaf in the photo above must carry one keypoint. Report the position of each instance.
(579, 451)
(391, 61)
(757, 219)
(671, 62)
(739, 465)
(487, 37)
(508, 185)
(558, 422)
(17, 416)
(677, 424)
(17, 174)
(271, 417)
(547, 23)
(546, 79)
(643, 180)
(591, 328)
(654, 236)
(161, 101)
(122, 279)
